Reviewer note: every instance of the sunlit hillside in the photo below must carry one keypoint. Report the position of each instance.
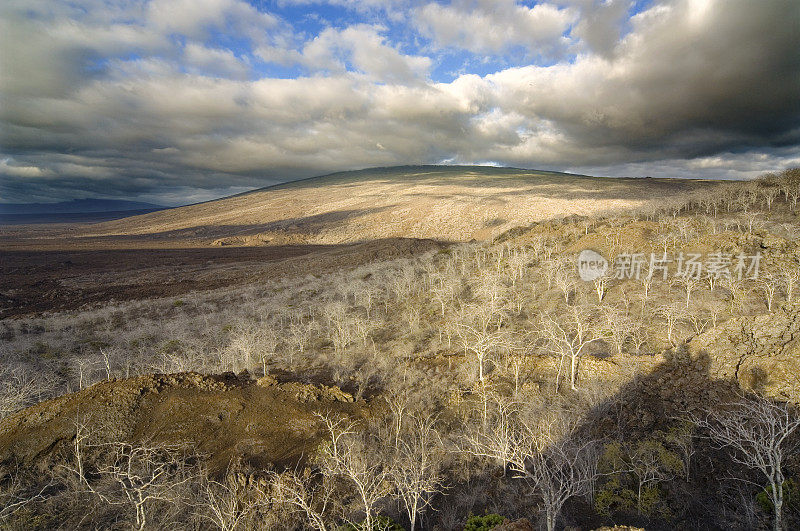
(452, 203)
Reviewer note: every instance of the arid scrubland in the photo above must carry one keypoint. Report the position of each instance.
(425, 392)
(446, 203)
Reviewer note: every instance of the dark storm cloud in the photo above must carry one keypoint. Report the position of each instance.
(136, 100)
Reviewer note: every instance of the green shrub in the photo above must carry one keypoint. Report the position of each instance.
(484, 523)
(623, 466)
(791, 496)
(172, 346)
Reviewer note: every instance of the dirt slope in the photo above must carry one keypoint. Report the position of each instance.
(454, 203)
(222, 417)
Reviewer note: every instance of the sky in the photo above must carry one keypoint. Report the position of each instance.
(177, 101)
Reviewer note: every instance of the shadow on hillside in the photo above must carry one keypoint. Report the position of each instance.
(676, 390)
(678, 387)
(306, 225)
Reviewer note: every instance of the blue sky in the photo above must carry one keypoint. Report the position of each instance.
(176, 101)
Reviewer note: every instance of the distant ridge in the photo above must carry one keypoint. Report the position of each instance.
(407, 170)
(77, 206)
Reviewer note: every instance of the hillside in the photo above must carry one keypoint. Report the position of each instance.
(282, 381)
(453, 203)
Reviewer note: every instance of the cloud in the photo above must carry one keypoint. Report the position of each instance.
(195, 18)
(162, 99)
(16, 170)
(683, 82)
(200, 59)
(600, 24)
(494, 26)
(367, 51)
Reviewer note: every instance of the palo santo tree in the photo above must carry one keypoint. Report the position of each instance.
(759, 433)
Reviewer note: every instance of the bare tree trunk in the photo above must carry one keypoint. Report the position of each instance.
(573, 368)
(778, 504)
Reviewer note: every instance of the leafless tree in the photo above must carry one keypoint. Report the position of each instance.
(443, 290)
(613, 237)
(266, 348)
(639, 337)
(667, 239)
(227, 504)
(365, 296)
(647, 284)
(752, 217)
(736, 289)
(299, 491)
(650, 464)
(767, 284)
(85, 368)
(769, 195)
(549, 269)
(84, 434)
(143, 476)
(685, 229)
(412, 315)
(565, 278)
(398, 400)
(106, 362)
(543, 453)
(759, 433)
(13, 496)
(567, 335)
(689, 283)
(300, 331)
(492, 290)
(481, 334)
(19, 388)
(601, 284)
(789, 278)
(699, 320)
(681, 437)
(245, 347)
(346, 455)
(515, 363)
(794, 195)
(415, 471)
(620, 326)
(517, 263)
(339, 329)
(671, 313)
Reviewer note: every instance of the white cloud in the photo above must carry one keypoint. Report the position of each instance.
(367, 51)
(9, 168)
(193, 18)
(493, 26)
(214, 61)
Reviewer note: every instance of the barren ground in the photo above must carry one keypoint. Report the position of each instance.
(221, 416)
(439, 202)
(53, 280)
(305, 227)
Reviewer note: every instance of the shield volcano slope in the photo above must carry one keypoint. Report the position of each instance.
(449, 203)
